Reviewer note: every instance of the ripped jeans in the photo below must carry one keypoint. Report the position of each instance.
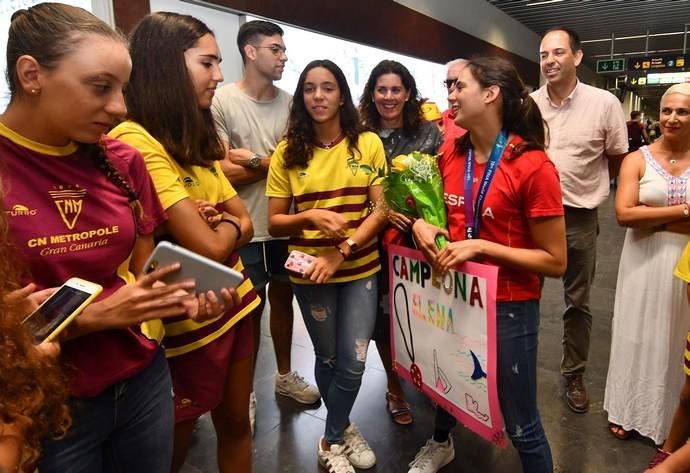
(517, 330)
(340, 319)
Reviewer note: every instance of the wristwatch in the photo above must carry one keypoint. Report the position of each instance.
(353, 245)
(255, 161)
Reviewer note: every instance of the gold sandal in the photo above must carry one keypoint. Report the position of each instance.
(399, 409)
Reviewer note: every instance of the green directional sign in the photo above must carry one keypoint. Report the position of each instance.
(610, 65)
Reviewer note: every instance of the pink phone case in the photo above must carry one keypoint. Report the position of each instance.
(298, 262)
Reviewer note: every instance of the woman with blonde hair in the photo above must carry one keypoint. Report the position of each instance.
(651, 314)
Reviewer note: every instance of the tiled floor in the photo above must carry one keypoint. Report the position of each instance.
(287, 433)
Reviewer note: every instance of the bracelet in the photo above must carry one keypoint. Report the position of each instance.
(341, 251)
(234, 224)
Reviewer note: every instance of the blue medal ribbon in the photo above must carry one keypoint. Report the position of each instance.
(473, 211)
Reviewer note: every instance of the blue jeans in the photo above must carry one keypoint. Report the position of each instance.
(128, 428)
(340, 320)
(517, 332)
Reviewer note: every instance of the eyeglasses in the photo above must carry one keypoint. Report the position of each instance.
(275, 49)
(449, 83)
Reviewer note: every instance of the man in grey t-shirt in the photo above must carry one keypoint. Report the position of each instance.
(251, 117)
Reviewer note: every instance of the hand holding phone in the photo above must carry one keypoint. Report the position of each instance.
(210, 305)
(298, 262)
(207, 274)
(25, 300)
(56, 312)
(132, 304)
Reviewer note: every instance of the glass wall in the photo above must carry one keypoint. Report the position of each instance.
(356, 61)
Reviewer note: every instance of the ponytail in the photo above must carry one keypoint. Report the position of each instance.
(520, 113)
(529, 125)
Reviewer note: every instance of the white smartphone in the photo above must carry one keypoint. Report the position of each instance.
(56, 312)
(208, 274)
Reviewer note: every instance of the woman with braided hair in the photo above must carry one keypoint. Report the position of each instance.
(511, 218)
(82, 204)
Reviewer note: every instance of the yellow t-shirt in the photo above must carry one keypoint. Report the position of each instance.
(682, 270)
(333, 180)
(173, 184)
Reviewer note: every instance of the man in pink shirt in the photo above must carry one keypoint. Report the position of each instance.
(588, 140)
(450, 130)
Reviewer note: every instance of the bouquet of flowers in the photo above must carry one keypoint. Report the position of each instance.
(414, 188)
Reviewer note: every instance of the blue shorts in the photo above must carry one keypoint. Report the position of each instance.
(265, 260)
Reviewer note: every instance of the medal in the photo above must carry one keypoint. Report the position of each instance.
(416, 374)
(415, 371)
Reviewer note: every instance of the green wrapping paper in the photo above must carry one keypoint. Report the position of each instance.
(414, 188)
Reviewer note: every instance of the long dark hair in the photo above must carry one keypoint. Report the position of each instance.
(412, 110)
(161, 97)
(301, 134)
(48, 32)
(520, 113)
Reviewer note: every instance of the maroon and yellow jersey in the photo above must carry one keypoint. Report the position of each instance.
(68, 220)
(334, 180)
(174, 183)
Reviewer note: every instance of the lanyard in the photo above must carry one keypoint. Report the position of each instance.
(473, 213)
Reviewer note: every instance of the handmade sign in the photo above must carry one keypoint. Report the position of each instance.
(443, 336)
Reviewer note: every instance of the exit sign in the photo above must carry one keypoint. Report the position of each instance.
(610, 65)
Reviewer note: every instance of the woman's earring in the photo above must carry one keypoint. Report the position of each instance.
(34, 91)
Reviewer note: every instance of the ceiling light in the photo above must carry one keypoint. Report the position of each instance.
(544, 2)
(639, 36)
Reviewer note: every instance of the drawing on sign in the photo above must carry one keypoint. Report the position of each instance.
(478, 372)
(443, 338)
(442, 383)
(414, 369)
(473, 408)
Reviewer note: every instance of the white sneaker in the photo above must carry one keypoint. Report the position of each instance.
(357, 449)
(335, 461)
(252, 410)
(295, 386)
(433, 456)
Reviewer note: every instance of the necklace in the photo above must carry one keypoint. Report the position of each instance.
(673, 161)
(331, 143)
(415, 372)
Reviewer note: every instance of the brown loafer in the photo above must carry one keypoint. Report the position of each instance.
(576, 395)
